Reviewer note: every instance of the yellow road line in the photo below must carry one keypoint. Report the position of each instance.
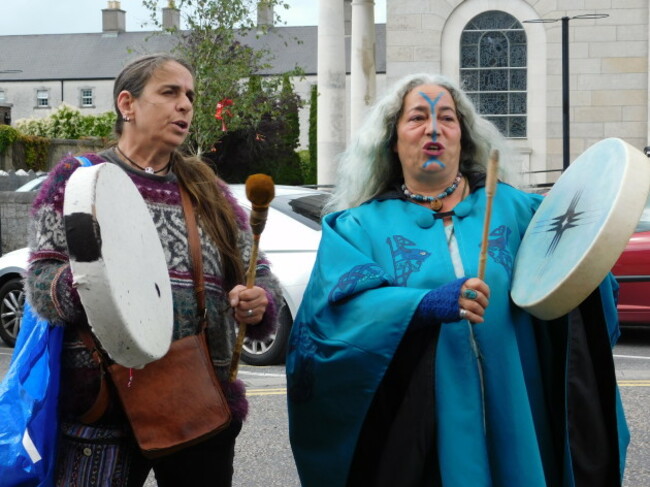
(634, 383)
(283, 390)
(267, 392)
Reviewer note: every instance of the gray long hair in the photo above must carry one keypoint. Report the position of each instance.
(369, 166)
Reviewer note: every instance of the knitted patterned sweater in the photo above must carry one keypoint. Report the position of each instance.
(51, 293)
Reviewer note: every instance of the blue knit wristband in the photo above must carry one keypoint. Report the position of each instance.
(439, 305)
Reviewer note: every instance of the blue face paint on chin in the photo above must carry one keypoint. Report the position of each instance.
(434, 160)
(432, 104)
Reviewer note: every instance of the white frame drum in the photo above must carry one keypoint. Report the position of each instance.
(581, 228)
(118, 265)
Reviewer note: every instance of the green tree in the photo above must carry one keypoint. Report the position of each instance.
(291, 103)
(313, 131)
(215, 44)
(267, 146)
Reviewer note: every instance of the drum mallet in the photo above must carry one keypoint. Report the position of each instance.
(260, 191)
(490, 189)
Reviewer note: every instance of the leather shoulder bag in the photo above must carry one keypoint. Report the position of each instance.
(176, 401)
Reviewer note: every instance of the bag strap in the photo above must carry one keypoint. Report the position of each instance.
(194, 245)
(97, 410)
(85, 162)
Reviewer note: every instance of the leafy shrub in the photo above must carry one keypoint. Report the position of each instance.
(268, 145)
(307, 167)
(8, 135)
(65, 123)
(35, 151)
(38, 127)
(68, 123)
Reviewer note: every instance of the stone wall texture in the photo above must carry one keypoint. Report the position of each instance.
(14, 219)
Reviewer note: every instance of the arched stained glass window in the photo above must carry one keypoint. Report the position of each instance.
(493, 69)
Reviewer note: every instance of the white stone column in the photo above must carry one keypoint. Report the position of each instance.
(331, 88)
(363, 86)
(647, 141)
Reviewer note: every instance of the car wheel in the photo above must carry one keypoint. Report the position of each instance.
(271, 350)
(12, 299)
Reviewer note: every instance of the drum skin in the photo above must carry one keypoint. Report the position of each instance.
(580, 229)
(118, 265)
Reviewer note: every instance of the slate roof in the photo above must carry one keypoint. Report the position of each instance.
(102, 55)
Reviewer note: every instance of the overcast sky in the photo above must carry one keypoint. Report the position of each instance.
(19, 17)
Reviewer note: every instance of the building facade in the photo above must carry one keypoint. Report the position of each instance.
(40, 72)
(513, 68)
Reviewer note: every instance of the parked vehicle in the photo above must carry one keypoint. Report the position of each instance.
(33, 184)
(290, 241)
(12, 295)
(632, 271)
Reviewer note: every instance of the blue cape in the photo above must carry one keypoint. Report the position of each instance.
(374, 265)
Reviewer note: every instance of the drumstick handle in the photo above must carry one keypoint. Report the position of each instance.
(241, 333)
(252, 265)
(490, 189)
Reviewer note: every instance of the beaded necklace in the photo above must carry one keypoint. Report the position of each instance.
(435, 202)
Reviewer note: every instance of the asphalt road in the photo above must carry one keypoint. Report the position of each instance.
(263, 456)
(632, 358)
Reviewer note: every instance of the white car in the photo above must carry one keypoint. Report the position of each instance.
(12, 296)
(290, 240)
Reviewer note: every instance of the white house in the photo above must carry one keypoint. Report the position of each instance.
(39, 72)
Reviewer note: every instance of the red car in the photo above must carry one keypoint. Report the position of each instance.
(632, 270)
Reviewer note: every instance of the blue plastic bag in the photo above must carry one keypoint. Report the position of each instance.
(28, 405)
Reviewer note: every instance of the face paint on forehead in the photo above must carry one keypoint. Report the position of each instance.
(432, 104)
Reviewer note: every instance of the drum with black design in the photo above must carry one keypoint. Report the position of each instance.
(118, 265)
(581, 228)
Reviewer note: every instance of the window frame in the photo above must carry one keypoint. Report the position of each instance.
(46, 98)
(472, 66)
(82, 97)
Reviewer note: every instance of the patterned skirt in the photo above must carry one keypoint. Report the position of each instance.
(96, 456)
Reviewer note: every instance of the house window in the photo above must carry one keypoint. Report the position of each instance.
(42, 98)
(3, 96)
(87, 98)
(493, 69)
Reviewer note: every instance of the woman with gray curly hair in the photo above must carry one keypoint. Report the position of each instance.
(370, 165)
(405, 369)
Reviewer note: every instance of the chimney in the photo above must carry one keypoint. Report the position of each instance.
(264, 14)
(113, 18)
(171, 18)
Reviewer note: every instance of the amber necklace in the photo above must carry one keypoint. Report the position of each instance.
(435, 202)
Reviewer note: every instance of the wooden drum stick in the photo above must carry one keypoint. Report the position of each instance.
(260, 191)
(490, 189)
